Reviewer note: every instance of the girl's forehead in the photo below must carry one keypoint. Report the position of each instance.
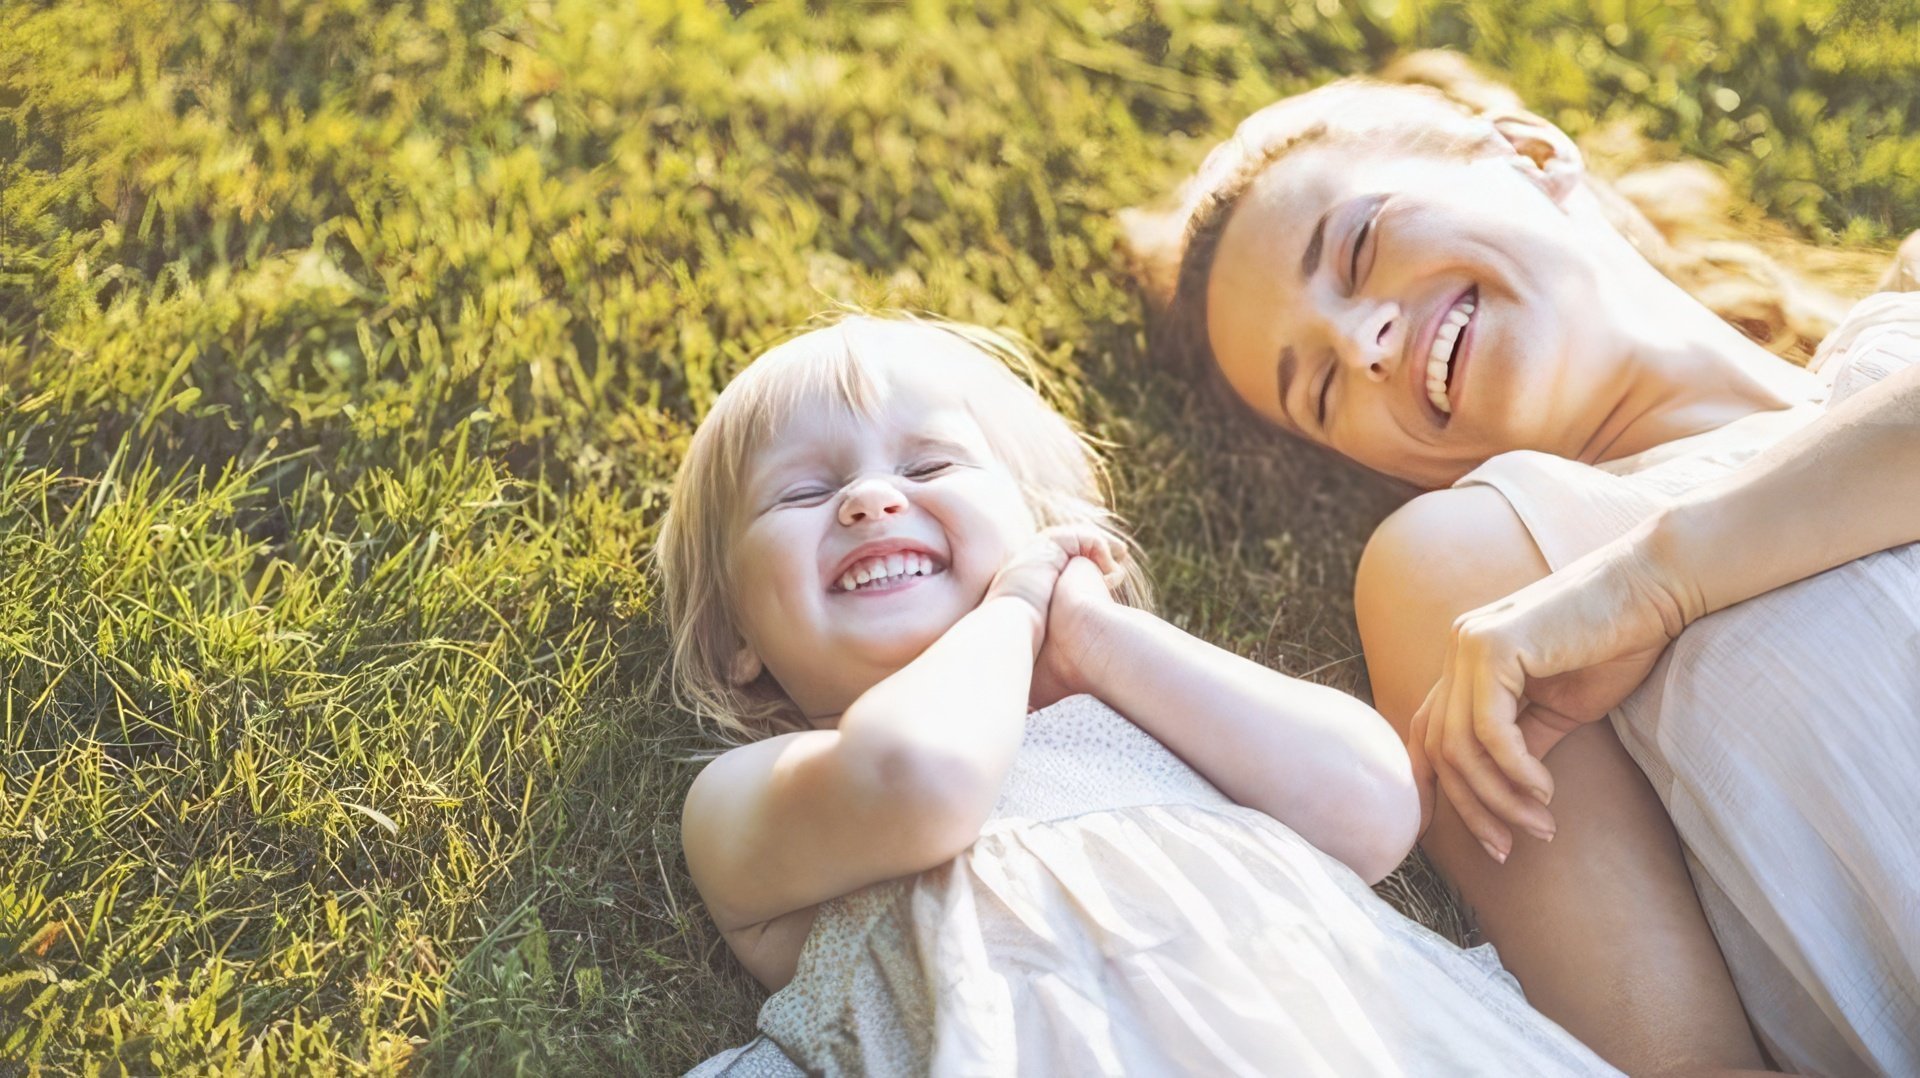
(919, 407)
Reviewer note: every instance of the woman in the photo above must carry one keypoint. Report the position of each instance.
(1442, 296)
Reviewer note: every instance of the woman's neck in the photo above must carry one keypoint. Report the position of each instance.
(1692, 372)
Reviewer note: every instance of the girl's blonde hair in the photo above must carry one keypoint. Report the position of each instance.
(1057, 467)
(1675, 214)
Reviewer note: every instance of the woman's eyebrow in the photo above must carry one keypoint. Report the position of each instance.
(1311, 260)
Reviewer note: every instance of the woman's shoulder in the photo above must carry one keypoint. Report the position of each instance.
(1443, 544)
(1437, 557)
(1880, 335)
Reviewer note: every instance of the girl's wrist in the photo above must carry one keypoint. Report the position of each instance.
(1085, 633)
(1021, 609)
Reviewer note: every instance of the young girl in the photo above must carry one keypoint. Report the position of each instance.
(883, 547)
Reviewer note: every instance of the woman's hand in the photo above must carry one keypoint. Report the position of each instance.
(1523, 672)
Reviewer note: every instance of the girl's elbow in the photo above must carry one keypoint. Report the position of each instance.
(1390, 806)
(934, 802)
(1393, 836)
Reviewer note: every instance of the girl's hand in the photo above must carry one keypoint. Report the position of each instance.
(1032, 572)
(1523, 672)
(1071, 656)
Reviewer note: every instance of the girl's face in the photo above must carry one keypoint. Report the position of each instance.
(1417, 313)
(862, 539)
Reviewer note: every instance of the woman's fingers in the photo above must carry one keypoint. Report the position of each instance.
(1487, 829)
(1423, 776)
(1493, 836)
(1496, 715)
(1465, 756)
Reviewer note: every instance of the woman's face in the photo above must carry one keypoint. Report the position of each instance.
(1417, 313)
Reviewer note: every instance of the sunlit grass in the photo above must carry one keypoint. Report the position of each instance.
(348, 351)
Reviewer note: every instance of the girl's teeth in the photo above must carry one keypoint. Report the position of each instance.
(905, 563)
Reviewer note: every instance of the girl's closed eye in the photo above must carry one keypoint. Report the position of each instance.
(928, 469)
(810, 494)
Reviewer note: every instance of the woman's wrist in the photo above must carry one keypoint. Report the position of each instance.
(1672, 549)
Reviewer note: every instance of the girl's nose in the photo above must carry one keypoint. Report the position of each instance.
(1373, 339)
(870, 499)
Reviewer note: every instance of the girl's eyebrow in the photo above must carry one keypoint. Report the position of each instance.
(936, 441)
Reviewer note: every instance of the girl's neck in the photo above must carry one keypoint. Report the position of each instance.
(1692, 372)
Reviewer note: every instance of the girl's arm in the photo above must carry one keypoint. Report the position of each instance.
(902, 783)
(1314, 758)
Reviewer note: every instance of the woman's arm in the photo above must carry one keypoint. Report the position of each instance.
(1313, 758)
(1845, 486)
(1524, 670)
(1601, 925)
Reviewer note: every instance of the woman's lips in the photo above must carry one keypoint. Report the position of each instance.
(1457, 369)
(1438, 332)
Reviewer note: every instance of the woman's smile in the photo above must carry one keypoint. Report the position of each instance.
(1444, 340)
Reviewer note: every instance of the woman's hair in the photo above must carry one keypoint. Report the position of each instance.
(1431, 102)
(1057, 467)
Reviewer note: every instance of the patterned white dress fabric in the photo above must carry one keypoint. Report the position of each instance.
(1782, 733)
(1119, 915)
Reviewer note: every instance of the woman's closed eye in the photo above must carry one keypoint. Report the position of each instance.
(1326, 389)
(1366, 231)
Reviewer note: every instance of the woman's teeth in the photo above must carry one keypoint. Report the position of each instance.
(1440, 357)
(887, 570)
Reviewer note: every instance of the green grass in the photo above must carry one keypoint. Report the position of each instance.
(348, 349)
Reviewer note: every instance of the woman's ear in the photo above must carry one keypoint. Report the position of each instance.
(1546, 154)
(746, 666)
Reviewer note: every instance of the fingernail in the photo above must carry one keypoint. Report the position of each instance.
(1544, 834)
(1493, 851)
(1540, 794)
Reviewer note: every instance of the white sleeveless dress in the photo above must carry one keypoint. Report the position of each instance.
(1782, 733)
(1119, 915)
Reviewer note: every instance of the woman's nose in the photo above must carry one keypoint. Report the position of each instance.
(871, 499)
(1373, 340)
